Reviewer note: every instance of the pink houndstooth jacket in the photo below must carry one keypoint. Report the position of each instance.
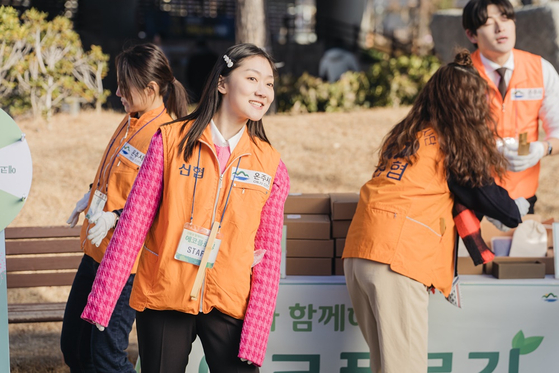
(136, 219)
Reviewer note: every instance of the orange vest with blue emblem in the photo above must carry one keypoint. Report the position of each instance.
(163, 282)
(118, 169)
(404, 218)
(518, 113)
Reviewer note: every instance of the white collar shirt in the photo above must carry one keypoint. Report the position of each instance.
(219, 140)
(549, 111)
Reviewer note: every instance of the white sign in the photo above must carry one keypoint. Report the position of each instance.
(505, 326)
(15, 170)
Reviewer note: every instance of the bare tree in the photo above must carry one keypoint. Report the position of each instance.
(250, 22)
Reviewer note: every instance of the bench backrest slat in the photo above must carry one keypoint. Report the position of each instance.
(29, 280)
(42, 232)
(57, 262)
(56, 246)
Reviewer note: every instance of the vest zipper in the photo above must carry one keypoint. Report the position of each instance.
(219, 185)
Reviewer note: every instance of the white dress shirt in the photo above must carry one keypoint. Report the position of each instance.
(549, 111)
(219, 140)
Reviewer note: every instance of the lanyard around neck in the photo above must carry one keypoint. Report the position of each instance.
(196, 182)
(113, 157)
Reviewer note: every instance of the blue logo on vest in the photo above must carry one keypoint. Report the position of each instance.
(241, 175)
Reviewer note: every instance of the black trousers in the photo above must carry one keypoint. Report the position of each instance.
(165, 340)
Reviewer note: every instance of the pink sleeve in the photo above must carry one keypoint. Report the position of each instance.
(130, 233)
(266, 274)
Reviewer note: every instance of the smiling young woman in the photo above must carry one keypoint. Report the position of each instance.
(209, 175)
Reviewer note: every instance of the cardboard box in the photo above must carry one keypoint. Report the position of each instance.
(343, 205)
(310, 227)
(547, 261)
(467, 267)
(309, 266)
(310, 248)
(340, 244)
(307, 203)
(340, 228)
(524, 269)
(338, 267)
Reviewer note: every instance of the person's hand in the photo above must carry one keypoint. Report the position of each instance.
(522, 162)
(523, 205)
(500, 226)
(104, 221)
(80, 207)
(246, 361)
(101, 328)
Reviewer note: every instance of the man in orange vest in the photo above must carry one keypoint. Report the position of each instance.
(524, 89)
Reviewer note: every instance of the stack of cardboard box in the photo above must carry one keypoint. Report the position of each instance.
(316, 227)
(310, 248)
(343, 206)
(488, 232)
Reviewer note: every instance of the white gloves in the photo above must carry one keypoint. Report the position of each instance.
(80, 207)
(101, 328)
(522, 162)
(246, 361)
(523, 207)
(103, 220)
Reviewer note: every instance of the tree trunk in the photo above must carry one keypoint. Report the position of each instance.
(424, 15)
(250, 22)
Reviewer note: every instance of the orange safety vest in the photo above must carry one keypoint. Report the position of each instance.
(163, 282)
(118, 169)
(404, 218)
(518, 113)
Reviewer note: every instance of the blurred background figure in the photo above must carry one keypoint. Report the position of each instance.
(336, 61)
(198, 68)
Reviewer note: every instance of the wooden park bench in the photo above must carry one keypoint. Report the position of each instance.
(40, 256)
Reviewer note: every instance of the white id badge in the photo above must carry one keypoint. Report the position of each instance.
(97, 204)
(193, 243)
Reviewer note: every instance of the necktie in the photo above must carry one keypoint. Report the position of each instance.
(502, 83)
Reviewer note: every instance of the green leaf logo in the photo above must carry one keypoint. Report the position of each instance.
(526, 345)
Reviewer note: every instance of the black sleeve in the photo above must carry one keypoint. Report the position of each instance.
(490, 200)
(117, 213)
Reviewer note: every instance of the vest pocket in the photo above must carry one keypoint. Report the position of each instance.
(244, 187)
(249, 193)
(427, 228)
(122, 177)
(148, 266)
(378, 227)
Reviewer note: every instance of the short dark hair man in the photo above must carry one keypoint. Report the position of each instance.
(524, 87)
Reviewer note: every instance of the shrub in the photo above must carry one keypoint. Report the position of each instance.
(47, 61)
(388, 82)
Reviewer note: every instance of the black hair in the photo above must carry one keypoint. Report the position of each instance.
(138, 65)
(475, 13)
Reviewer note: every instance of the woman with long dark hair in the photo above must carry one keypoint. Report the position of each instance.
(206, 212)
(402, 238)
(150, 95)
